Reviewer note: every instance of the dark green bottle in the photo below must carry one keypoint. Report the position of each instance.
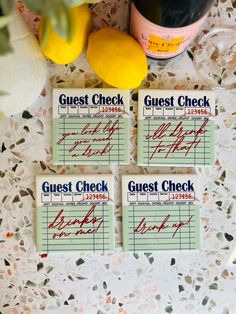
(164, 28)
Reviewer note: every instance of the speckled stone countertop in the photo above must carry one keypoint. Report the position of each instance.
(196, 282)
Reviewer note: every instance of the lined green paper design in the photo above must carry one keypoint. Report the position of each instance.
(186, 238)
(160, 212)
(162, 151)
(75, 213)
(176, 128)
(91, 126)
(114, 150)
(91, 237)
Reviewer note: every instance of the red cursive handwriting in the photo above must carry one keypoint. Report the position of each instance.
(179, 136)
(144, 228)
(60, 223)
(61, 234)
(89, 152)
(87, 139)
(111, 127)
(91, 131)
(65, 136)
(160, 132)
(77, 143)
(89, 231)
(180, 225)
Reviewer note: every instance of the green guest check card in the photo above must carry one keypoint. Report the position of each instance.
(176, 128)
(91, 126)
(160, 212)
(75, 213)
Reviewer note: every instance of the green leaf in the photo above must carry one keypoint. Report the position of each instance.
(45, 31)
(58, 12)
(39, 7)
(2, 93)
(6, 6)
(79, 2)
(60, 19)
(44, 6)
(5, 45)
(4, 20)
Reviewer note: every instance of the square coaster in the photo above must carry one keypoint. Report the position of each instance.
(91, 126)
(160, 212)
(176, 128)
(74, 213)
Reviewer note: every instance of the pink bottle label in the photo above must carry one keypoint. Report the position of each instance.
(161, 42)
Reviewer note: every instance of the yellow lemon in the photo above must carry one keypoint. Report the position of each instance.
(117, 58)
(63, 51)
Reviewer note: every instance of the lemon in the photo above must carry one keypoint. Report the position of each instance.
(117, 58)
(63, 51)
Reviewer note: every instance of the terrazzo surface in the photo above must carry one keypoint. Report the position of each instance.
(196, 282)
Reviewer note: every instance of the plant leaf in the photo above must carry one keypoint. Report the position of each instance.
(79, 2)
(39, 7)
(59, 18)
(45, 31)
(2, 93)
(4, 20)
(58, 11)
(5, 45)
(6, 6)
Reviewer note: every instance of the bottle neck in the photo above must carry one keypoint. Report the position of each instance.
(172, 13)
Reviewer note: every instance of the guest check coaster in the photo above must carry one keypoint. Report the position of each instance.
(91, 126)
(75, 213)
(160, 212)
(176, 128)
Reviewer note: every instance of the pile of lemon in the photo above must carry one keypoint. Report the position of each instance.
(113, 55)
